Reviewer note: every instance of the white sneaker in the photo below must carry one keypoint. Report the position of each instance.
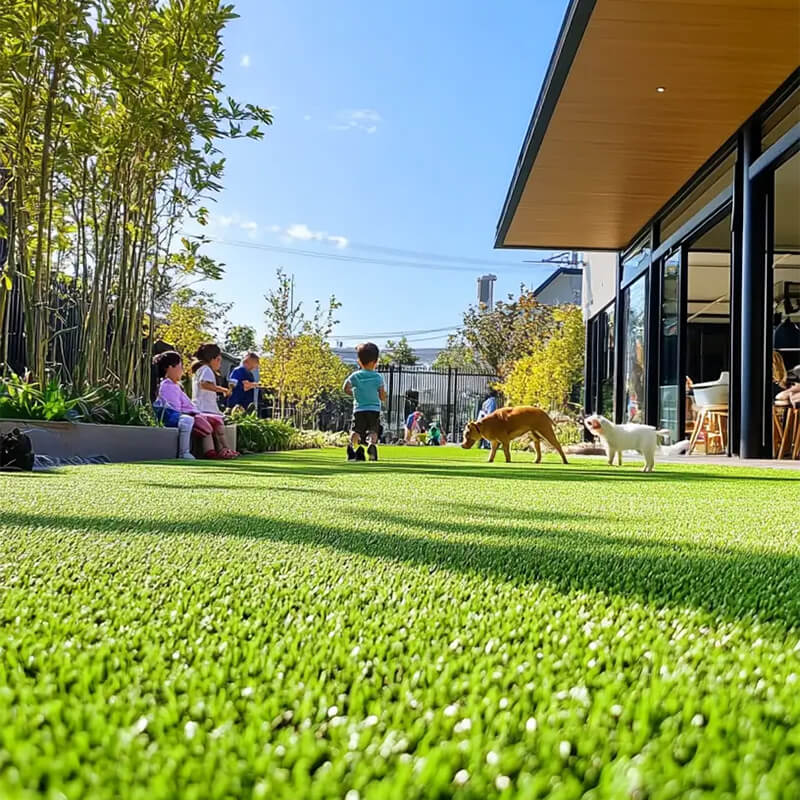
(187, 456)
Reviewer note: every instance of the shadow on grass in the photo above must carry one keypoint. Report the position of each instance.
(723, 581)
(289, 465)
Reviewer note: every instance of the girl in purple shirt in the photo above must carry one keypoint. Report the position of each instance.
(180, 412)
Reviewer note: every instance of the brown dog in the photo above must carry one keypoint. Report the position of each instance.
(506, 424)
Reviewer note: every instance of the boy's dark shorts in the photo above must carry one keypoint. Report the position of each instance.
(365, 422)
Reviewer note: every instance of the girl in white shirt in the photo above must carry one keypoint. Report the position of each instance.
(207, 361)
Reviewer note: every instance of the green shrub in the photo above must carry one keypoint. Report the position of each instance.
(254, 435)
(33, 401)
(55, 401)
(311, 440)
(116, 407)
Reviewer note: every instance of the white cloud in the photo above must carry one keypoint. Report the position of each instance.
(301, 232)
(249, 226)
(245, 61)
(221, 224)
(275, 228)
(360, 119)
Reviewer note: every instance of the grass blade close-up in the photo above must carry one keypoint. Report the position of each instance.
(430, 626)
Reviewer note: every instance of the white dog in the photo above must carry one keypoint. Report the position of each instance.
(631, 436)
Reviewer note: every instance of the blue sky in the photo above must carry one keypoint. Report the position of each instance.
(397, 125)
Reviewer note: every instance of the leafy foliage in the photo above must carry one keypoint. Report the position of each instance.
(24, 399)
(54, 401)
(316, 440)
(457, 355)
(112, 113)
(293, 626)
(498, 337)
(240, 339)
(399, 352)
(194, 317)
(298, 363)
(547, 376)
(255, 435)
(113, 406)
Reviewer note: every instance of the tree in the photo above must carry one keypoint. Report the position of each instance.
(112, 113)
(288, 328)
(399, 353)
(546, 376)
(500, 336)
(313, 371)
(240, 339)
(457, 355)
(193, 318)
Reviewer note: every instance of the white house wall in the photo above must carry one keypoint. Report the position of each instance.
(599, 273)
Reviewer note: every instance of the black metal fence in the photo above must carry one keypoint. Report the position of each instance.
(450, 397)
(65, 326)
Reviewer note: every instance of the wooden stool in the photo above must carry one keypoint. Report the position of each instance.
(790, 430)
(713, 421)
(779, 408)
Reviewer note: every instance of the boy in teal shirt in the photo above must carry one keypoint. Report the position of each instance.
(367, 389)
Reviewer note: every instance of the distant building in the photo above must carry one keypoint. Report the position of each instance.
(486, 290)
(565, 285)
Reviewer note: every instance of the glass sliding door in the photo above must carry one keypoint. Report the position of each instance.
(606, 399)
(601, 399)
(634, 352)
(671, 391)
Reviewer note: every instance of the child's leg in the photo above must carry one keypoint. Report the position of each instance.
(185, 426)
(203, 430)
(372, 436)
(218, 425)
(355, 452)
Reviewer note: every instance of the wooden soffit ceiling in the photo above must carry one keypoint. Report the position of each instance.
(615, 150)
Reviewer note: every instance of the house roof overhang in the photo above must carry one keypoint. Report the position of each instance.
(605, 148)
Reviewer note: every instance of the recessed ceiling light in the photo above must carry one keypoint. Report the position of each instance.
(660, 89)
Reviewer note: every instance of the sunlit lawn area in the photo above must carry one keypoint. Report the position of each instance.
(292, 626)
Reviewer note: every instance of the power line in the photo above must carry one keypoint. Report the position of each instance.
(374, 261)
(434, 256)
(394, 333)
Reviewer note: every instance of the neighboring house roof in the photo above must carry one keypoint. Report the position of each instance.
(555, 275)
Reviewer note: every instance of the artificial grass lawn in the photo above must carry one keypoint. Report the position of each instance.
(291, 626)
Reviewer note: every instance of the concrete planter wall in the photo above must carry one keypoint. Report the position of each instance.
(119, 443)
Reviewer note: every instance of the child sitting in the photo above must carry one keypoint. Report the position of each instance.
(205, 367)
(435, 435)
(176, 410)
(243, 393)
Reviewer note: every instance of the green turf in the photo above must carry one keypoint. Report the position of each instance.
(292, 626)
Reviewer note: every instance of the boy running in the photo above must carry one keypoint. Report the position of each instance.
(367, 390)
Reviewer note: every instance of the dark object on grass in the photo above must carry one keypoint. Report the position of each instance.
(16, 452)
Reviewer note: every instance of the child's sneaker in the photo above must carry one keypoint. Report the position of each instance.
(187, 456)
(372, 452)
